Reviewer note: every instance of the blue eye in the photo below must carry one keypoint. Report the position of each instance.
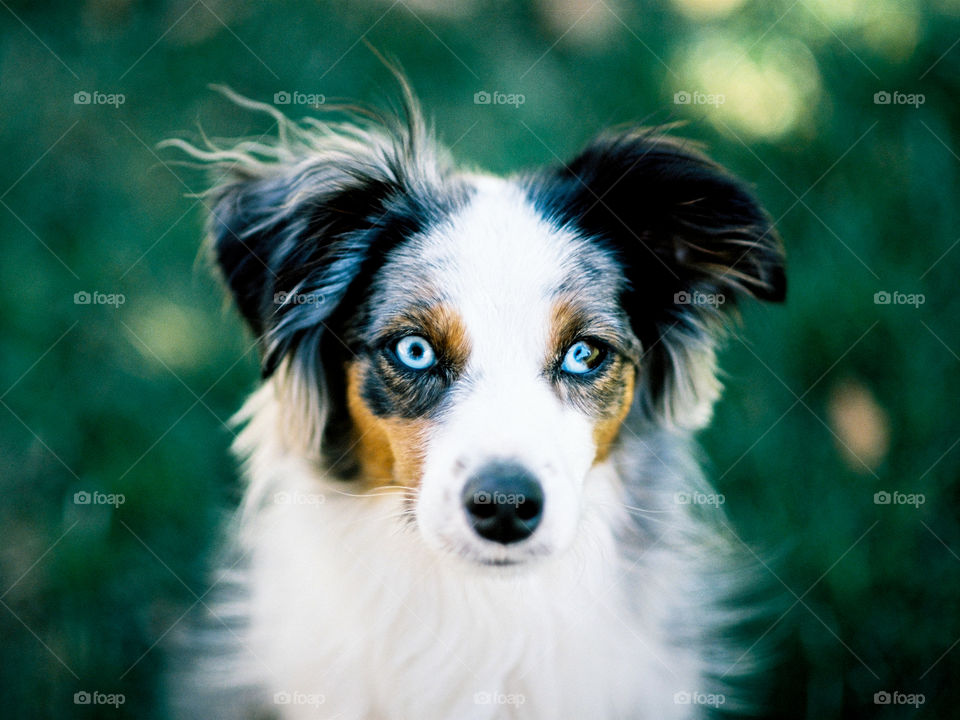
(582, 357)
(415, 352)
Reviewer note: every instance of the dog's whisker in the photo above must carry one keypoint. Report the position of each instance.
(634, 508)
(380, 492)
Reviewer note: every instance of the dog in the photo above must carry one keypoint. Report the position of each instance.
(471, 489)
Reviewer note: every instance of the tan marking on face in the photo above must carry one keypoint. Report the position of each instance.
(455, 345)
(569, 319)
(607, 430)
(391, 451)
(442, 326)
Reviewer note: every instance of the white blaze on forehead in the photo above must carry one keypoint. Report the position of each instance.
(503, 263)
(500, 265)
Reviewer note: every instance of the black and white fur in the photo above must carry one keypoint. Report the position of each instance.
(375, 598)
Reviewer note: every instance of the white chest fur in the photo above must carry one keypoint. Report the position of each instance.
(352, 617)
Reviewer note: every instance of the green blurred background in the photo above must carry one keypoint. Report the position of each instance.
(831, 398)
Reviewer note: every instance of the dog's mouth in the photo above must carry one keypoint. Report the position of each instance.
(501, 558)
(501, 563)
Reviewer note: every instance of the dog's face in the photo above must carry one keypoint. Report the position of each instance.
(495, 366)
(480, 342)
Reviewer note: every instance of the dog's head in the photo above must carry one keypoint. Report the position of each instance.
(479, 341)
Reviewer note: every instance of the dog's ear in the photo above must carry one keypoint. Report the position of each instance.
(691, 238)
(290, 243)
(299, 224)
(249, 238)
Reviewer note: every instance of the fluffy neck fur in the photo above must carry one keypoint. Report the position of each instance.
(342, 608)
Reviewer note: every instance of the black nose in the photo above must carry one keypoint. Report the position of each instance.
(504, 502)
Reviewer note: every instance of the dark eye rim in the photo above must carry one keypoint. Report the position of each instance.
(389, 349)
(606, 353)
